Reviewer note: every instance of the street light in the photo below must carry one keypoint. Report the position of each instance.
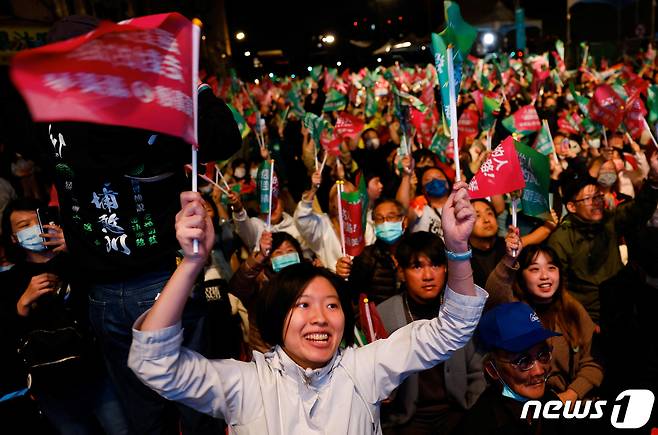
(309, 68)
(240, 36)
(247, 53)
(339, 63)
(328, 39)
(488, 39)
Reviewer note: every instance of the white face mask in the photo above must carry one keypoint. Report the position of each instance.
(240, 172)
(254, 173)
(30, 239)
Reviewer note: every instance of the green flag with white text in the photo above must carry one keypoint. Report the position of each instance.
(536, 174)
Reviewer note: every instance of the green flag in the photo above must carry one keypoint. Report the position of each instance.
(334, 101)
(316, 124)
(296, 106)
(583, 102)
(409, 100)
(239, 119)
(536, 174)
(316, 71)
(439, 145)
(461, 35)
(652, 103)
(559, 47)
(544, 142)
(490, 109)
(371, 103)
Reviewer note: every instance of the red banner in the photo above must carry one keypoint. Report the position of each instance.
(352, 223)
(348, 125)
(330, 142)
(500, 173)
(136, 74)
(606, 107)
(467, 125)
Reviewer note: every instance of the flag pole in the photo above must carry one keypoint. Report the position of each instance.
(339, 194)
(646, 125)
(269, 211)
(196, 34)
(514, 199)
(453, 111)
(371, 329)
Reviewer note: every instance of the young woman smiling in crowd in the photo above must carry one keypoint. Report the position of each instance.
(306, 383)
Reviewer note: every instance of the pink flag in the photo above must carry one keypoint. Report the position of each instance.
(500, 173)
(606, 107)
(137, 73)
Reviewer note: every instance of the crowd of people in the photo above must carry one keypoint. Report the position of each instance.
(131, 305)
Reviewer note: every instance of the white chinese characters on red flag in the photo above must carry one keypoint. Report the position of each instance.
(137, 73)
(500, 173)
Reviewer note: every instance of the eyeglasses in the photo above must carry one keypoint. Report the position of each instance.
(526, 361)
(590, 199)
(379, 219)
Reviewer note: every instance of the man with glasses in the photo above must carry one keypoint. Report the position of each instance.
(587, 239)
(374, 271)
(517, 365)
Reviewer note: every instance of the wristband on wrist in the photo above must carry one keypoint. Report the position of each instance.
(459, 256)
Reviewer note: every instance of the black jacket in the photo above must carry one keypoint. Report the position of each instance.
(374, 273)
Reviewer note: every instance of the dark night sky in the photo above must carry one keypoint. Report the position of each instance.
(292, 25)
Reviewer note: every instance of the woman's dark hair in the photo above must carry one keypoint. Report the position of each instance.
(281, 236)
(487, 202)
(12, 251)
(420, 243)
(563, 311)
(282, 292)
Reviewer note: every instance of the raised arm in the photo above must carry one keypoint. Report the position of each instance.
(192, 223)
(457, 220)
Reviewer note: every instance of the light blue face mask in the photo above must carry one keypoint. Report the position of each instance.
(508, 392)
(6, 267)
(30, 238)
(389, 232)
(284, 260)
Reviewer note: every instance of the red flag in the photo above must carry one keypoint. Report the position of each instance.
(369, 319)
(330, 142)
(565, 123)
(136, 74)
(467, 125)
(606, 107)
(500, 173)
(348, 125)
(634, 117)
(352, 205)
(477, 96)
(424, 123)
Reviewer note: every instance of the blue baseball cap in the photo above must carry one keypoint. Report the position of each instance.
(513, 327)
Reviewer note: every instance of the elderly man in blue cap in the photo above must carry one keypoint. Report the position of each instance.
(517, 365)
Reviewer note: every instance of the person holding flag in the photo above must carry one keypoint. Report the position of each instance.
(323, 231)
(117, 179)
(374, 271)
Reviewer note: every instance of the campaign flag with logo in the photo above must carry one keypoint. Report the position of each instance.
(353, 227)
(500, 173)
(334, 101)
(606, 107)
(264, 183)
(348, 125)
(461, 35)
(137, 73)
(544, 142)
(524, 121)
(537, 177)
